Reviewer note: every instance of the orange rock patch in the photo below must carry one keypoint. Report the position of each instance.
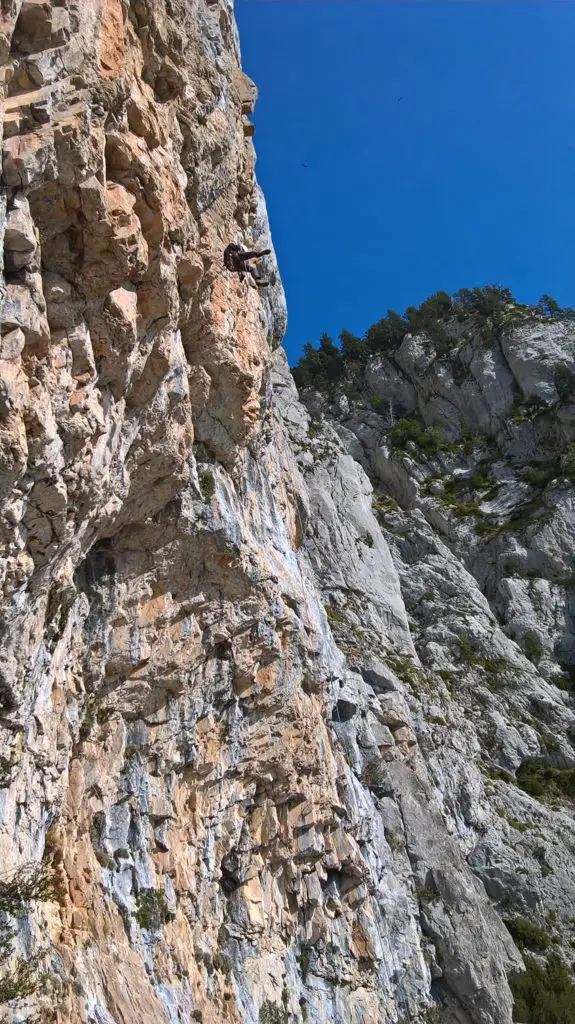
(112, 44)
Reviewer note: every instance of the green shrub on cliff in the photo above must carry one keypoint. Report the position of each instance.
(527, 934)
(20, 978)
(544, 994)
(545, 781)
(427, 440)
(152, 910)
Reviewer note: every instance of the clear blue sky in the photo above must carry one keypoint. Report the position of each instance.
(469, 178)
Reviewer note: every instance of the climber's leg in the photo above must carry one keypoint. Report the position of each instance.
(253, 255)
(257, 278)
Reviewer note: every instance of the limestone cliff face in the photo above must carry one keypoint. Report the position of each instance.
(469, 446)
(225, 731)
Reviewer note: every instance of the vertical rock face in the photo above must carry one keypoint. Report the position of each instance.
(211, 734)
(466, 435)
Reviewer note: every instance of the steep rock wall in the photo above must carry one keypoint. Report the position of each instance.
(469, 444)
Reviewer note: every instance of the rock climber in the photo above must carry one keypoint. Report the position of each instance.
(236, 259)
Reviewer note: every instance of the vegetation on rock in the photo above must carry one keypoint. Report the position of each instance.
(19, 978)
(545, 994)
(207, 484)
(527, 934)
(489, 310)
(152, 910)
(545, 781)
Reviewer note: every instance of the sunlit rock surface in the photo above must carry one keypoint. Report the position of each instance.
(240, 727)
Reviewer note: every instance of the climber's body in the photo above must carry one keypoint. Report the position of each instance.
(236, 259)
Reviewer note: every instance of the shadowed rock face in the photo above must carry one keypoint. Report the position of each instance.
(223, 730)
